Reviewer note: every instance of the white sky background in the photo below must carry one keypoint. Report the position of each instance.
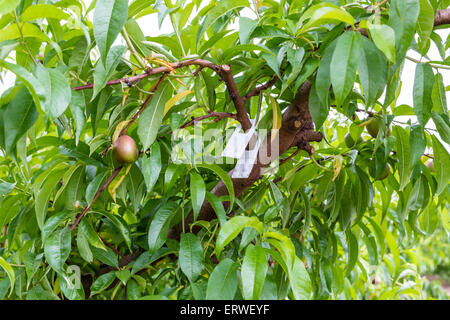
(149, 25)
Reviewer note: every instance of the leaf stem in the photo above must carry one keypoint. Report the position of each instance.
(23, 38)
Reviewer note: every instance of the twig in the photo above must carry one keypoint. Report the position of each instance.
(114, 249)
(95, 197)
(132, 49)
(144, 104)
(218, 115)
(263, 87)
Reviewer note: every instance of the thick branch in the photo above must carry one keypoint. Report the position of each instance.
(296, 126)
(442, 17)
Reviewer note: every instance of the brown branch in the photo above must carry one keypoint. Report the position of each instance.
(442, 17)
(124, 131)
(263, 87)
(217, 115)
(114, 249)
(95, 197)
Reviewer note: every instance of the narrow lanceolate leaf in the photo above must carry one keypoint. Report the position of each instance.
(103, 72)
(151, 118)
(442, 123)
(90, 234)
(102, 282)
(276, 117)
(233, 227)
(372, 71)
(57, 92)
(198, 190)
(159, 226)
(222, 175)
(40, 11)
(323, 13)
(246, 27)
(151, 166)
(344, 63)
(417, 143)
(253, 272)
(300, 280)
(9, 271)
(438, 95)
(423, 86)
(403, 16)
(352, 251)
(384, 38)
(403, 155)
(21, 114)
(7, 6)
(425, 24)
(441, 165)
(172, 101)
(42, 196)
(57, 249)
(223, 281)
(109, 18)
(217, 12)
(77, 108)
(191, 256)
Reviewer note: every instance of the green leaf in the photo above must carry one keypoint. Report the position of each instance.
(442, 125)
(57, 91)
(219, 11)
(217, 205)
(384, 38)
(90, 234)
(233, 227)
(7, 6)
(441, 165)
(420, 194)
(223, 281)
(159, 226)
(9, 271)
(151, 166)
(246, 27)
(77, 108)
(107, 256)
(21, 114)
(425, 23)
(324, 13)
(417, 142)
(403, 154)
(198, 190)
(403, 16)
(372, 72)
(151, 118)
(352, 251)
(57, 248)
(102, 282)
(109, 18)
(438, 95)
(83, 247)
(40, 11)
(103, 73)
(423, 86)
(300, 281)
(42, 196)
(344, 63)
(253, 272)
(222, 175)
(191, 256)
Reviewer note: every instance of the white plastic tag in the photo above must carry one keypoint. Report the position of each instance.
(245, 163)
(238, 142)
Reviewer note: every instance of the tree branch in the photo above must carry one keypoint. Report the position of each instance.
(217, 115)
(263, 87)
(442, 17)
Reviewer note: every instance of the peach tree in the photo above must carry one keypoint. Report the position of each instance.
(109, 188)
